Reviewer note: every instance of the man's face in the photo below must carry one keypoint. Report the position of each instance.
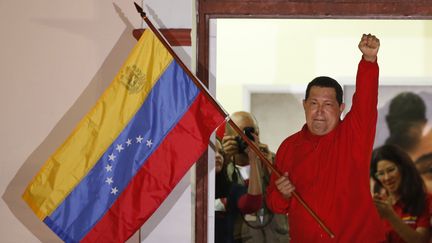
(243, 120)
(322, 110)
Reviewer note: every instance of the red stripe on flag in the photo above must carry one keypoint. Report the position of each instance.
(180, 149)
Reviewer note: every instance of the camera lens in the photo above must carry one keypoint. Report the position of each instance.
(249, 131)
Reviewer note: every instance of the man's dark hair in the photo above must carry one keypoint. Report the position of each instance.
(406, 110)
(326, 82)
(407, 106)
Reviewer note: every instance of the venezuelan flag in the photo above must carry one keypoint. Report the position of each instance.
(128, 153)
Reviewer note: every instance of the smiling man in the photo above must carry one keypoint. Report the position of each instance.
(328, 160)
(323, 105)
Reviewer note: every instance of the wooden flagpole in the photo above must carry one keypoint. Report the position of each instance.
(226, 115)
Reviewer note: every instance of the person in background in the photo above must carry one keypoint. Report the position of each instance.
(221, 193)
(408, 125)
(328, 160)
(409, 130)
(400, 196)
(244, 169)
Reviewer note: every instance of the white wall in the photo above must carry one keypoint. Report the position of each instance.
(56, 59)
(289, 51)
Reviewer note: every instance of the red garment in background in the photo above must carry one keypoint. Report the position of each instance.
(413, 221)
(249, 203)
(331, 173)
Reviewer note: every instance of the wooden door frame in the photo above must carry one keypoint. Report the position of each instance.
(308, 9)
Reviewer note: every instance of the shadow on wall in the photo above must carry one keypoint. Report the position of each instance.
(101, 80)
(158, 23)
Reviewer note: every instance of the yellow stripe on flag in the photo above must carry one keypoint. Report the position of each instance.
(98, 129)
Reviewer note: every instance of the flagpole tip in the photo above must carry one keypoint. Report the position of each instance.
(140, 10)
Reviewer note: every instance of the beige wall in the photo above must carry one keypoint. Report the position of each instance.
(56, 59)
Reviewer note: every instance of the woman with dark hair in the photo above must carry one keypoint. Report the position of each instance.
(400, 195)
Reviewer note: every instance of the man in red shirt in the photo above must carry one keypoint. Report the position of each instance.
(328, 160)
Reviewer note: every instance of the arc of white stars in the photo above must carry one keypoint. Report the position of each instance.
(119, 147)
(129, 142)
(114, 190)
(149, 143)
(111, 157)
(139, 139)
(109, 180)
(108, 168)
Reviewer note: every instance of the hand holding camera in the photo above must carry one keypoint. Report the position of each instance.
(242, 145)
(234, 144)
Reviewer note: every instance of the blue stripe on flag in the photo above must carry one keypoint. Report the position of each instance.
(169, 99)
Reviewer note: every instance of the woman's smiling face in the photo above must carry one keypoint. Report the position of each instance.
(389, 176)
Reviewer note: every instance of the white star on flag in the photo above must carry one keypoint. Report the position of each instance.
(128, 142)
(149, 143)
(119, 147)
(111, 157)
(108, 168)
(114, 190)
(139, 139)
(109, 180)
